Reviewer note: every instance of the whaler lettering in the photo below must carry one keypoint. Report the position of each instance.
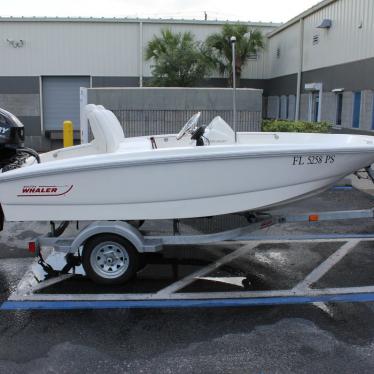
(313, 159)
(39, 190)
(45, 190)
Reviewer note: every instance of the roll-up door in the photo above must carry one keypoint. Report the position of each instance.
(61, 100)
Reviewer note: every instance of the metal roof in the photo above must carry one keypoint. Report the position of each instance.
(135, 20)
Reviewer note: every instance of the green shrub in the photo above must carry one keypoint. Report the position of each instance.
(294, 126)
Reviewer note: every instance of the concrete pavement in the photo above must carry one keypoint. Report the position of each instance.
(327, 338)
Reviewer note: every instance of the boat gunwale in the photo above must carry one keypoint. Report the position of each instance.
(172, 159)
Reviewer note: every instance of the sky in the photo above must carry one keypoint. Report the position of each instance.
(243, 10)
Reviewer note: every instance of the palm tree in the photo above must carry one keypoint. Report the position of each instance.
(179, 61)
(248, 42)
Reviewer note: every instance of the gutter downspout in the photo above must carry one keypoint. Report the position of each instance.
(300, 69)
(140, 54)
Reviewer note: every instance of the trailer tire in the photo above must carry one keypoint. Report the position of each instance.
(110, 259)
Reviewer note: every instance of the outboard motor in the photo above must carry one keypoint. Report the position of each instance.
(12, 151)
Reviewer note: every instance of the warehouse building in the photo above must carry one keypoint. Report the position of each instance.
(45, 61)
(317, 66)
(321, 65)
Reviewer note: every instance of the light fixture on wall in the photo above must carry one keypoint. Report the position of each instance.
(16, 43)
(326, 24)
(313, 87)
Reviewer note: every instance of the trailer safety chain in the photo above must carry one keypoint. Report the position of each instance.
(71, 262)
(369, 173)
(362, 174)
(51, 273)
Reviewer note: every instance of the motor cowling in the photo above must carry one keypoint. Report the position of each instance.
(13, 153)
(12, 137)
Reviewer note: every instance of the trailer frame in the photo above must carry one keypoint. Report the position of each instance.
(25, 297)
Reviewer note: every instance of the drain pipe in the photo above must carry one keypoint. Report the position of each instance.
(300, 69)
(233, 41)
(140, 54)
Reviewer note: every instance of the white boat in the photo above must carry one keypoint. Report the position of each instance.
(170, 176)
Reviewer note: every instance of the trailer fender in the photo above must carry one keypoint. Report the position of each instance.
(107, 227)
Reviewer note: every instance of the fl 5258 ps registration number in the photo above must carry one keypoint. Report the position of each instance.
(313, 159)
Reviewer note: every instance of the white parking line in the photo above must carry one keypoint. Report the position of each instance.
(201, 272)
(326, 265)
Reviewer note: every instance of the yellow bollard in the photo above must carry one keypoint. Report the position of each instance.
(68, 134)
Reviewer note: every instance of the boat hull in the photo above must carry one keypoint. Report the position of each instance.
(169, 185)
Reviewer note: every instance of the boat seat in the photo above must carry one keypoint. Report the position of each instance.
(108, 133)
(106, 129)
(113, 122)
(108, 137)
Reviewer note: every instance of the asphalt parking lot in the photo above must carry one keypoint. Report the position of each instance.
(310, 338)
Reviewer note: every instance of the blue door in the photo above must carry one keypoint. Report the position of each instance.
(356, 110)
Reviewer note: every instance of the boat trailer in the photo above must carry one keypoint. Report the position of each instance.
(33, 293)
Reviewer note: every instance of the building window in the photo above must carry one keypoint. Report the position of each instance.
(278, 52)
(315, 39)
(356, 110)
(339, 108)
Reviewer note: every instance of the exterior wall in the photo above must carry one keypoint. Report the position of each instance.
(304, 107)
(147, 111)
(367, 110)
(287, 42)
(342, 58)
(176, 98)
(106, 48)
(273, 107)
(70, 48)
(105, 81)
(21, 96)
(283, 107)
(353, 76)
(350, 37)
(347, 113)
(291, 107)
(110, 51)
(284, 85)
(329, 107)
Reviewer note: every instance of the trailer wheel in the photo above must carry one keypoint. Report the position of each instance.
(110, 259)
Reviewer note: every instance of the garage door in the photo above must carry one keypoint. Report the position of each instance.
(61, 100)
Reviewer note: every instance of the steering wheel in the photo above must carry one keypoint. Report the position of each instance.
(189, 126)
